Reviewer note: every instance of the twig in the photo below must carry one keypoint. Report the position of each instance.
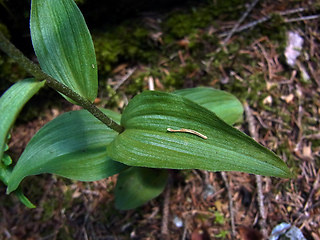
(124, 78)
(7, 47)
(184, 234)
(150, 83)
(263, 19)
(226, 183)
(303, 18)
(315, 186)
(254, 134)
(233, 30)
(165, 212)
(269, 64)
(303, 215)
(263, 221)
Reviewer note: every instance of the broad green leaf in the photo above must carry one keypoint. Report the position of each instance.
(147, 143)
(11, 103)
(72, 145)
(64, 46)
(136, 186)
(223, 104)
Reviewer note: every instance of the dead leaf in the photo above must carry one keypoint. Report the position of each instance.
(267, 100)
(184, 43)
(307, 151)
(218, 205)
(119, 68)
(288, 99)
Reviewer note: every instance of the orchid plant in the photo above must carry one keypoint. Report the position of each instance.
(157, 131)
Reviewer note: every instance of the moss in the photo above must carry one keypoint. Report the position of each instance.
(231, 8)
(129, 42)
(185, 23)
(136, 84)
(65, 232)
(284, 150)
(275, 29)
(180, 25)
(178, 75)
(49, 207)
(10, 72)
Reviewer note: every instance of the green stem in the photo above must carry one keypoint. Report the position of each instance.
(7, 47)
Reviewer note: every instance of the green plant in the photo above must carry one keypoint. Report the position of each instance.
(187, 129)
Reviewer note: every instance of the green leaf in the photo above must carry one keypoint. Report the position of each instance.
(136, 186)
(22, 198)
(223, 104)
(147, 143)
(72, 145)
(6, 159)
(11, 103)
(64, 46)
(5, 173)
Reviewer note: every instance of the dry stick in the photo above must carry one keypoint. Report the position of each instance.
(303, 18)
(315, 186)
(151, 83)
(233, 30)
(7, 47)
(254, 134)
(262, 20)
(307, 206)
(226, 183)
(165, 212)
(124, 78)
(237, 29)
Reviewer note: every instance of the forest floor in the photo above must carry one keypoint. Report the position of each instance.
(187, 48)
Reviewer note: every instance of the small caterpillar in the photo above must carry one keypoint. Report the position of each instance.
(188, 131)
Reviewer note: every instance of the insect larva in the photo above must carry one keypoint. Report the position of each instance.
(188, 131)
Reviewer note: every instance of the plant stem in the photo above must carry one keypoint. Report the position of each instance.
(7, 47)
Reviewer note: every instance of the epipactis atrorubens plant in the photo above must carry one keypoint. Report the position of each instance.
(186, 129)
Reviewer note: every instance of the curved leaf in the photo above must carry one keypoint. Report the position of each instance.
(223, 104)
(22, 198)
(63, 45)
(146, 141)
(72, 145)
(5, 173)
(11, 103)
(136, 186)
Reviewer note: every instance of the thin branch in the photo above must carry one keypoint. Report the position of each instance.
(315, 186)
(7, 47)
(151, 83)
(262, 20)
(233, 30)
(303, 18)
(233, 226)
(254, 134)
(165, 211)
(124, 78)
